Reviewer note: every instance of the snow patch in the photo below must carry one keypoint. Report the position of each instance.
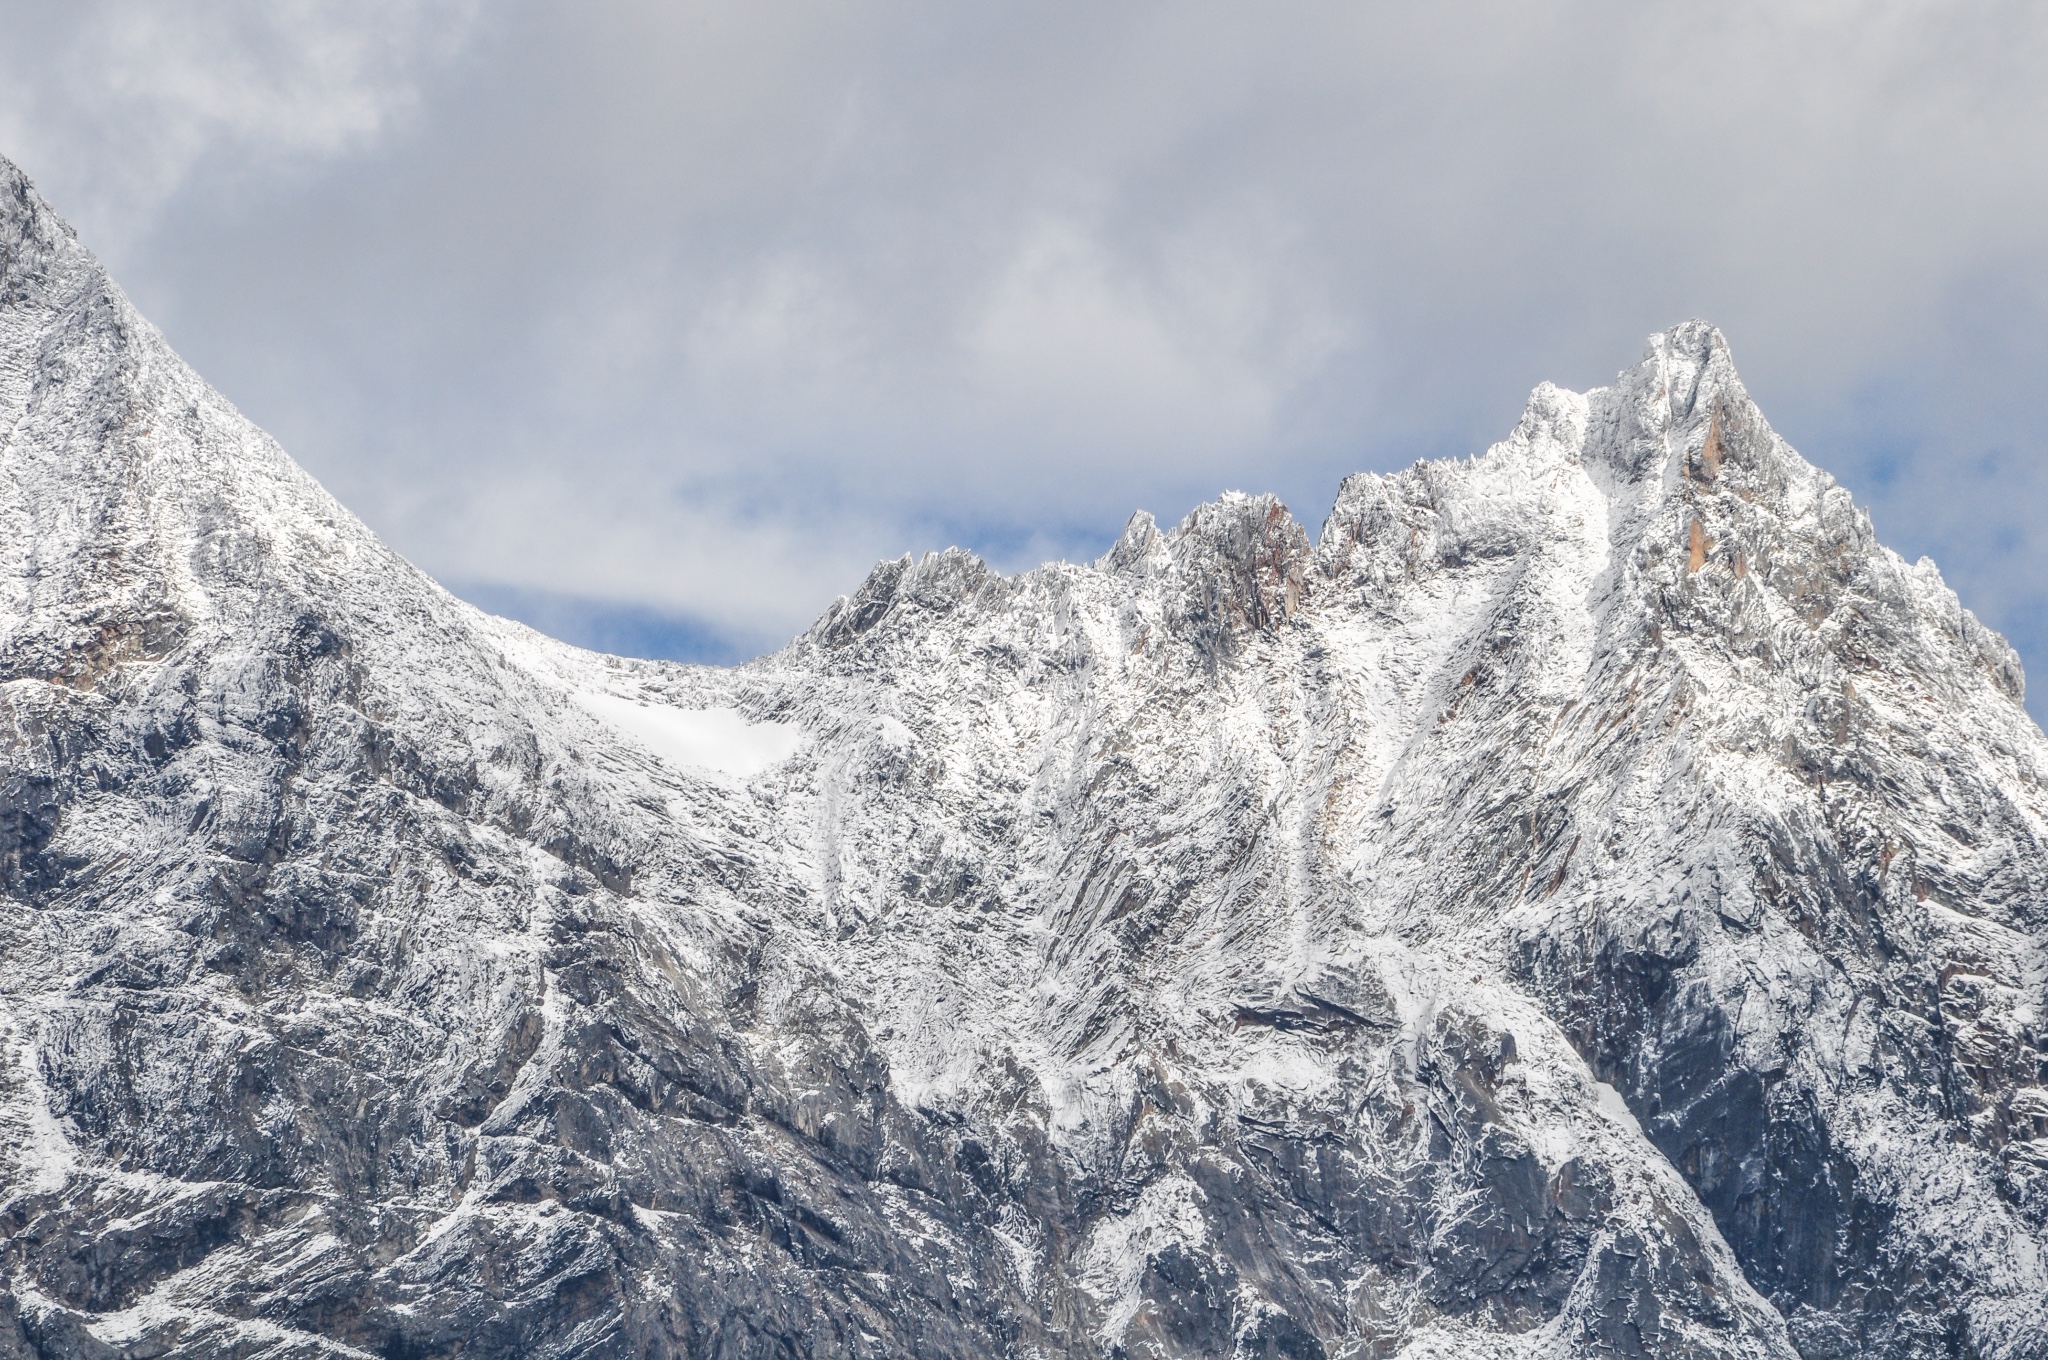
(717, 739)
(1112, 1260)
(1617, 1108)
(43, 1149)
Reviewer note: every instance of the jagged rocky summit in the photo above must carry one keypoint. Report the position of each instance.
(1589, 901)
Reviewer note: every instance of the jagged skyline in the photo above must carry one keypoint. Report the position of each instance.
(674, 318)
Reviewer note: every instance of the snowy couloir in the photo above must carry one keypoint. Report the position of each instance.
(1592, 900)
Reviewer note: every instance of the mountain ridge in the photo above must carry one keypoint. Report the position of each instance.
(1239, 945)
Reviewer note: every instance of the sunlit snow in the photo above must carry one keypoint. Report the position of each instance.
(704, 738)
(1610, 1100)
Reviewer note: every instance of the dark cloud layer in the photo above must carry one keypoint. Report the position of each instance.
(667, 319)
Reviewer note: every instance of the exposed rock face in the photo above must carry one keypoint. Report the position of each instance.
(1592, 901)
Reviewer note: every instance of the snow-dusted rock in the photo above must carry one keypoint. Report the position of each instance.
(1590, 901)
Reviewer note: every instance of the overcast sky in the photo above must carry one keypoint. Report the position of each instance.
(656, 324)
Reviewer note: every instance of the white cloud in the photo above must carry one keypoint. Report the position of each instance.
(1066, 338)
(595, 533)
(116, 101)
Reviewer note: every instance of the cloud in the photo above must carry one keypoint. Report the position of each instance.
(701, 307)
(119, 100)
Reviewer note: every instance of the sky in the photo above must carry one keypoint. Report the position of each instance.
(657, 324)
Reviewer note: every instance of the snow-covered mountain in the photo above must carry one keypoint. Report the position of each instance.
(1591, 900)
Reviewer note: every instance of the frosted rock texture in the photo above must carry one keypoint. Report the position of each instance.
(1590, 900)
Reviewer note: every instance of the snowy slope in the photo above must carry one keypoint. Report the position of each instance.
(1588, 901)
